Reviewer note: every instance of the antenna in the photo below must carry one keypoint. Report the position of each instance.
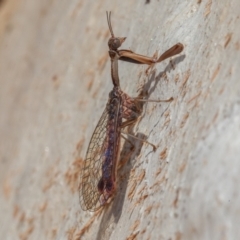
(109, 22)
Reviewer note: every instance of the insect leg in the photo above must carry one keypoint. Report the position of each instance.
(130, 56)
(132, 114)
(145, 141)
(132, 119)
(153, 100)
(126, 158)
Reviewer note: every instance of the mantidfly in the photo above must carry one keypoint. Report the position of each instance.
(99, 171)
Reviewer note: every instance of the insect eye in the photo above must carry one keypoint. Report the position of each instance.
(114, 43)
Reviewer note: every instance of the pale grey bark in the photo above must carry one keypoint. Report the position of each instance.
(55, 80)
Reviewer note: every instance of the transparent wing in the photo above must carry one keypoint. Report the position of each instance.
(92, 167)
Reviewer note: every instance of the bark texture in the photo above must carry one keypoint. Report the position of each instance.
(54, 85)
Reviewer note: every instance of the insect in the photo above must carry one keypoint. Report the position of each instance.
(98, 181)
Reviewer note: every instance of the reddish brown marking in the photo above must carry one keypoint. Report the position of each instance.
(91, 75)
(43, 206)
(133, 236)
(72, 174)
(185, 117)
(176, 78)
(54, 232)
(215, 72)
(47, 186)
(70, 233)
(186, 77)
(227, 39)
(54, 78)
(136, 182)
(175, 202)
(158, 172)
(215, 118)
(143, 231)
(194, 97)
(95, 93)
(22, 217)
(163, 154)
(182, 167)
(141, 176)
(16, 211)
(167, 121)
(237, 45)
(7, 189)
(141, 190)
(208, 8)
(142, 198)
(178, 236)
(55, 81)
(132, 190)
(76, 10)
(102, 62)
(25, 235)
(106, 34)
(51, 176)
(79, 146)
(135, 225)
(158, 183)
(148, 210)
(221, 90)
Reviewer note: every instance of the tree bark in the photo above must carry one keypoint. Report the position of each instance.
(55, 80)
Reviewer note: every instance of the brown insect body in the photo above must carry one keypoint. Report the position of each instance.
(99, 173)
(117, 110)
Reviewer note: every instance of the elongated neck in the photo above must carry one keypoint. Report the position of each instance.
(114, 67)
